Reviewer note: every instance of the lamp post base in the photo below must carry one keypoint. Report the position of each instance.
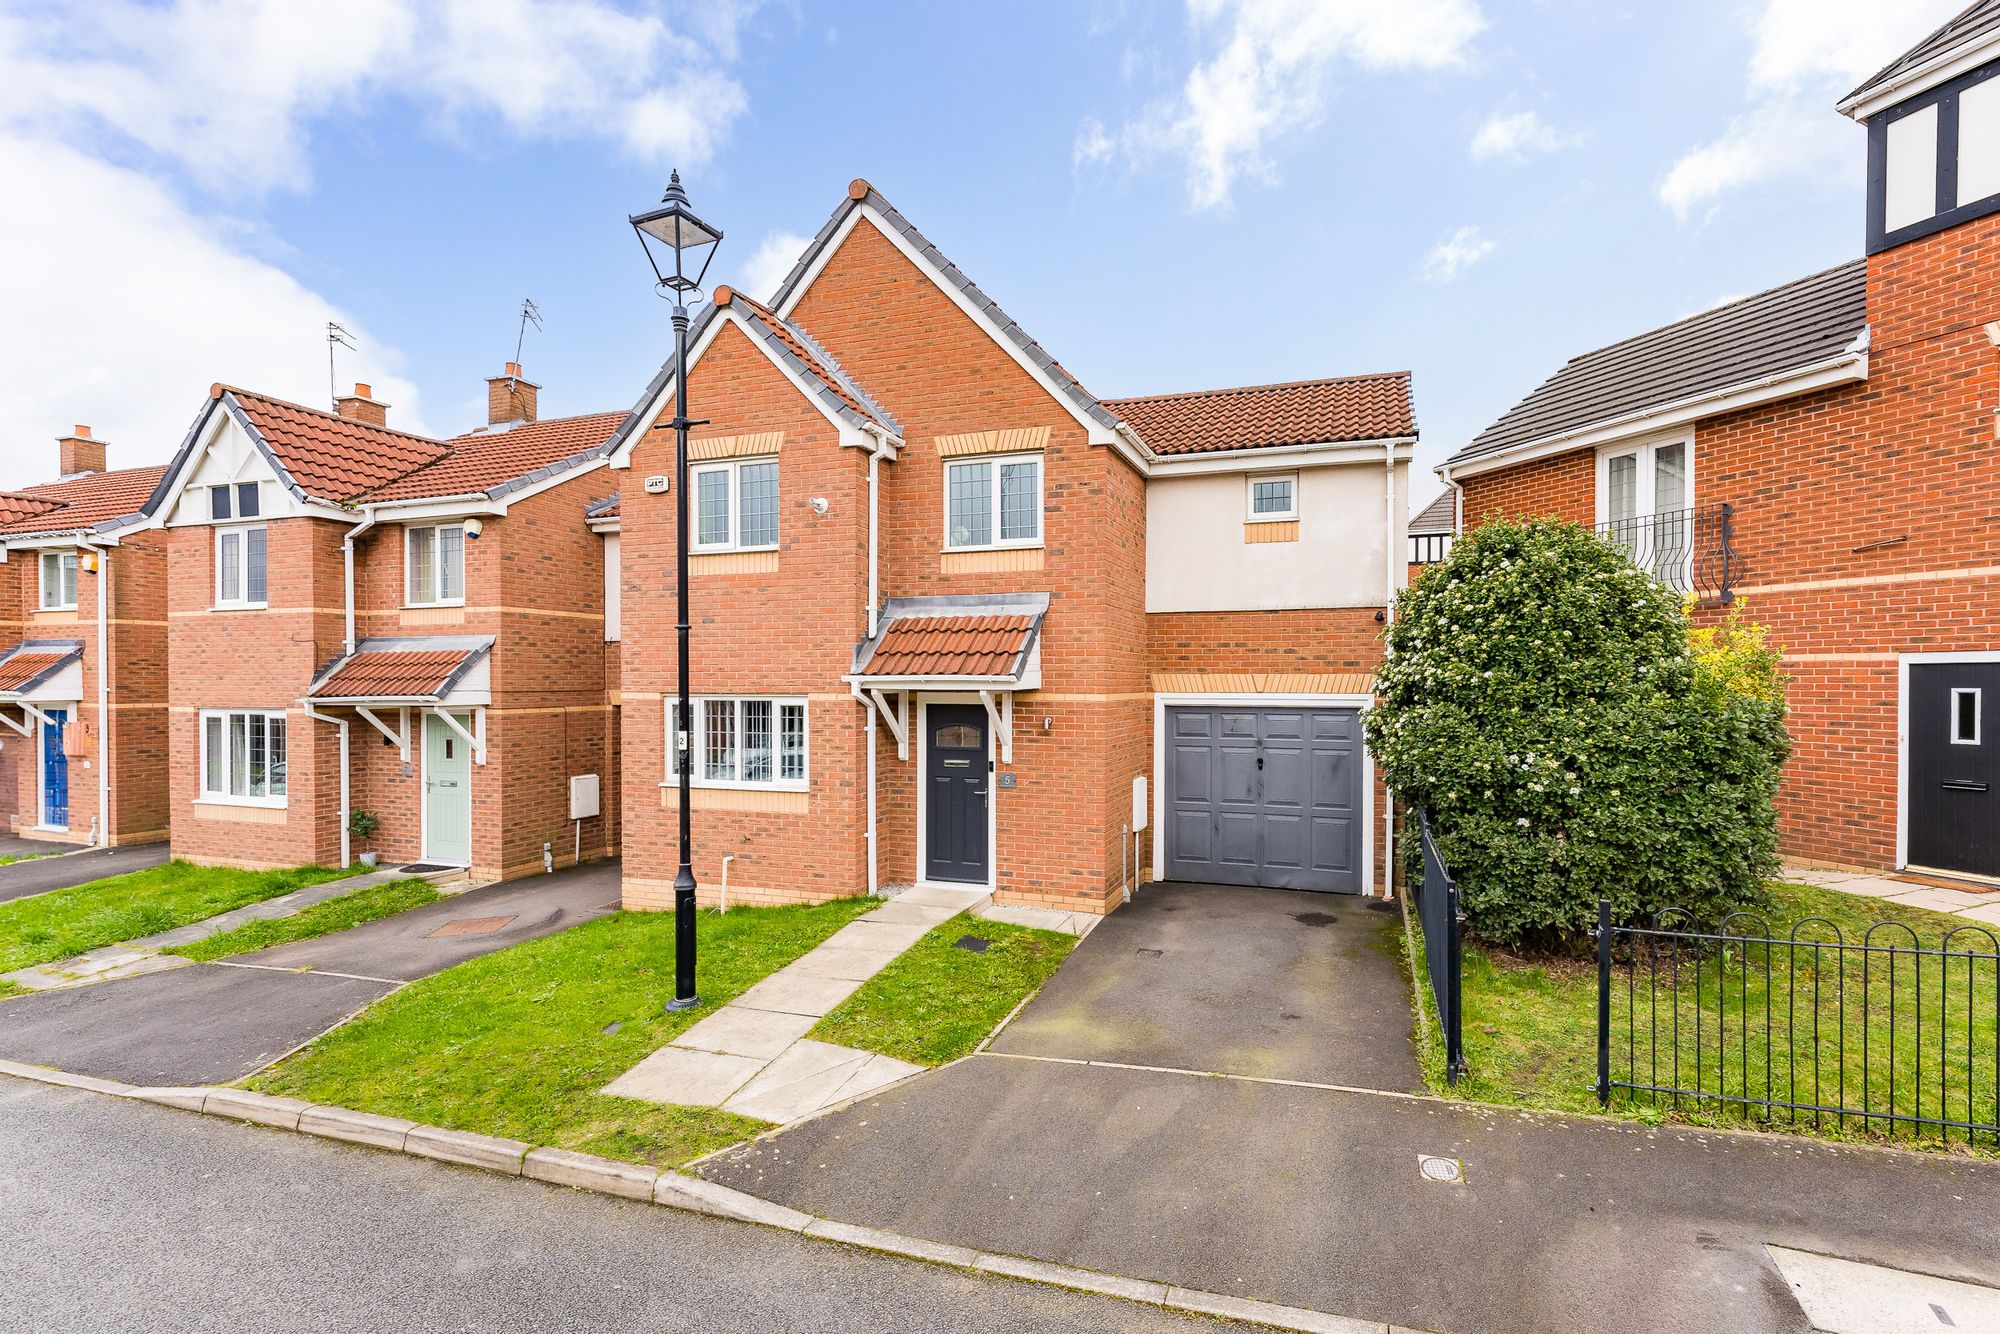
(677, 1004)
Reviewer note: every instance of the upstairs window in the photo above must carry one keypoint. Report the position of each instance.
(1274, 497)
(735, 505)
(233, 500)
(240, 561)
(436, 565)
(993, 502)
(59, 580)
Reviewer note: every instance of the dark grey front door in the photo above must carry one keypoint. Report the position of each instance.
(956, 794)
(1952, 803)
(1265, 796)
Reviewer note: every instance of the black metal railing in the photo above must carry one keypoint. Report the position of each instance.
(1690, 550)
(1879, 1033)
(1443, 925)
(1429, 548)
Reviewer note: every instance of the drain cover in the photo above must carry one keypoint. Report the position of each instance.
(1440, 1169)
(473, 926)
(977, 944)
(1149, 954)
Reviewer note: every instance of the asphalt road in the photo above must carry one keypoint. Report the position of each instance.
(20, 879)
(124, 1215)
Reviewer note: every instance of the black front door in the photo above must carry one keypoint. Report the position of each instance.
(1953, 800)
(955, 801)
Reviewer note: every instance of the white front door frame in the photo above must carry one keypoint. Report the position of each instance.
(1359, 703)
(44, 724)
(424, 788)
(1904, 661)
(922, 749)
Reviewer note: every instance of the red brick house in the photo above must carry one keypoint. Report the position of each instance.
(956, 619)
(83, 641)
(364, 619)
(1825, 452)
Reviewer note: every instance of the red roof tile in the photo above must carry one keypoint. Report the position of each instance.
(78, 502)
(950, 646)
(22, 668)
(328, 455)
(481, 460)
(392, 674)
(1305, 412)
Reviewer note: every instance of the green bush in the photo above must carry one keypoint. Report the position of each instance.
(1573, 738)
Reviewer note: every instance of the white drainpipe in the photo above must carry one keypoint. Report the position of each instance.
(1393, 558)
(346, 851)
(868, 722)
(874, 545)
(347, 555)
(101, 834)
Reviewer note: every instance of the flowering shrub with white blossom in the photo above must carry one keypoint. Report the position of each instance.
(1542, 700)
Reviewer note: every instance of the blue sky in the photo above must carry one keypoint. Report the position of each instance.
(1169, 196)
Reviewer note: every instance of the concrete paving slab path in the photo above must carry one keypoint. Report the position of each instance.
(18, 880)
(1262, 982)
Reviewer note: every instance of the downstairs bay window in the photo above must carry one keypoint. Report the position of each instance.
(744, 743)
(243, 757)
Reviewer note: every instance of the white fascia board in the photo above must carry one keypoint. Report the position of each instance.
(66, 537)
(475, 505)
(605, 525)
(1284, 458)
(1098, 435)
(1911, 82)
(1847, 368)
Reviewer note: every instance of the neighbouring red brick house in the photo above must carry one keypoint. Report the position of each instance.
(364, 619)
(956, 619)
(1825, 452)
(83, 641)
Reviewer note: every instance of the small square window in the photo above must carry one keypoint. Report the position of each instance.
(1965, 720)
(1274, 498)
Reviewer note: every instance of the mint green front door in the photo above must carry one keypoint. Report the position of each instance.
(447, 792)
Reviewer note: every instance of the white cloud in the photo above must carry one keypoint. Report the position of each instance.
(1093, 144)
(130, 346)
(228, 89)
(1805, 55)
(1517, 136)
(1456, 253)
(1269, 75)
(764, 270)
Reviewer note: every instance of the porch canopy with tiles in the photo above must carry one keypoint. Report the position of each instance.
(384, 681)
(36, 674)
(988, 645)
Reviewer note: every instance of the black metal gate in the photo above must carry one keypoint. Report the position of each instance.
(1438, 914)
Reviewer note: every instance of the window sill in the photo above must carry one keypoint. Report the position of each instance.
(732, 551)
(241, 606)
(244, 803)
(1036, 545)
(434, 606)
(70, 609)
(1272, 518)
(716, 785)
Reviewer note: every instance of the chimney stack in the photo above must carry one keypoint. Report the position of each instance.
(509, 398)
(77, 453)
(360, 406)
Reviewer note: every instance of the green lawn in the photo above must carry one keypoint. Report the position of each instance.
(519, 1043)
(64, 922)
(1530, 1025)
(11, 858)
(936, 1002)
(321, 919)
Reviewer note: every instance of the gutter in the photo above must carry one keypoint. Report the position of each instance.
(347, 555)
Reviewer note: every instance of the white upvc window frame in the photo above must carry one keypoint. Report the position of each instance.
(996, 462)
(233, 493)
(697, 743)
(68, 562)
(1250, 512)
(1646, 504)
(225, 796)
(1978, 716)
(732, 470)
(239, 599)
(437, 564)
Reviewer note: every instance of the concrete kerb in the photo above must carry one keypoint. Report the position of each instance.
(582, 1171)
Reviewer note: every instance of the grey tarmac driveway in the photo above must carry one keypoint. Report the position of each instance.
(121, 1215)
(217, 1022)
(20, 879)
(1264, 982)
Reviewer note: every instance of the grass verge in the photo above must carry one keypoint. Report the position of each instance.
(64, 922)
(521, 1042)
(321, 919)
(1531, 1024)
(936, 1002)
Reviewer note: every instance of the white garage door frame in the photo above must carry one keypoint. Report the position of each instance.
(1359, 703)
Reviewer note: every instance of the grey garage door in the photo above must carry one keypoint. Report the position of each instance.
(1265, 796)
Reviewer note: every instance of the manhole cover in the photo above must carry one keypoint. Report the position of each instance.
(1440, 1169)
(977, 944)
(473, 926)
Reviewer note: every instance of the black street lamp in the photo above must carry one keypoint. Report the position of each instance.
(674, 227)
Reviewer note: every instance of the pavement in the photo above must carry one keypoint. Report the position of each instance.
(214, 1023)
(121, 1214)
(20, 879)
(1910, 891)
(1094, 1146)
